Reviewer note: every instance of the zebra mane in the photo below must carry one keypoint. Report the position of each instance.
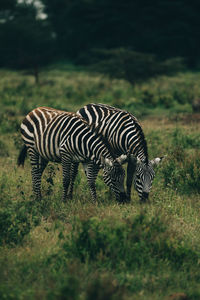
(139, 128)
(95, 130)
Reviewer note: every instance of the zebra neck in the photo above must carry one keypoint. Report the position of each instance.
(99, 149)
(143, 159)
(140, 152)
(137, 144)
(101, 127)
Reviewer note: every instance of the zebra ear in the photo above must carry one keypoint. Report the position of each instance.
(122, 159)
(156, 161)
(106, 162)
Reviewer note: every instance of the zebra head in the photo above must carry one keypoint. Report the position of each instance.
(113, 175)
(143, 177)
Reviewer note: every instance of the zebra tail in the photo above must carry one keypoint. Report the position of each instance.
(22, 156)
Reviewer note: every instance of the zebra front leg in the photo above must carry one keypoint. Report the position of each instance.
(66, 165)
(130, 173)
(91, 171)
(73, 174)
(38, 165)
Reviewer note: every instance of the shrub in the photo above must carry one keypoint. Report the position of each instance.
(14, 226)
(136, 242)
(16, 222)
(133, 66)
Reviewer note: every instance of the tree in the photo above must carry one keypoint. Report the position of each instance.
(26, 41)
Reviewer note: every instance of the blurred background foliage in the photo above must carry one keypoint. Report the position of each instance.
(133, 40)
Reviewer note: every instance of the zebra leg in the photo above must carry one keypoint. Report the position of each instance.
(91, 171)
(130, 173)
(73, 174)
(38, 165)
(66, 166)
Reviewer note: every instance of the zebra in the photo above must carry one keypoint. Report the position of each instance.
(125, 135)
(55, 135)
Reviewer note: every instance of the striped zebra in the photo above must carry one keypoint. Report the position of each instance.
(124, 134)
(59, 136)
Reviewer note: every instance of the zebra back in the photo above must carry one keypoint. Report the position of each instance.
(120, 128)
(47, 129)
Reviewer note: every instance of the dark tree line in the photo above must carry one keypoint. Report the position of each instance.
(166, 28)
(80, 29)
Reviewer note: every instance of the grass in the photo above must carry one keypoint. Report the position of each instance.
(78, 250)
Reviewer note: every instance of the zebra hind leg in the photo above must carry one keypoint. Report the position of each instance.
(73, 174)
(38, 165)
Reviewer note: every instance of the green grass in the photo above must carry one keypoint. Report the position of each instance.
(79, 250)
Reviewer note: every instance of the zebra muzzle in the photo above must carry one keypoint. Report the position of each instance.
(123, 197)
(144, 197)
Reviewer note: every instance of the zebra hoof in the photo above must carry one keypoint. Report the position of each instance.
(144, 201)
(144, 197)
(128, 200)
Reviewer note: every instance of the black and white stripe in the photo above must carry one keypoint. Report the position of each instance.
(125, 135)
(54, 135)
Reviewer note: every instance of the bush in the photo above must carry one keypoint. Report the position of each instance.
(133, 66)
(137, 242)
(14, 226)
(16, 222)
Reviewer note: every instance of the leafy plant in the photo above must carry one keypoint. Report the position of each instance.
(14, 226)
(3, 149)
(16, 221)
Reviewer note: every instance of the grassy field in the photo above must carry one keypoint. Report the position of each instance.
(78, 250)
